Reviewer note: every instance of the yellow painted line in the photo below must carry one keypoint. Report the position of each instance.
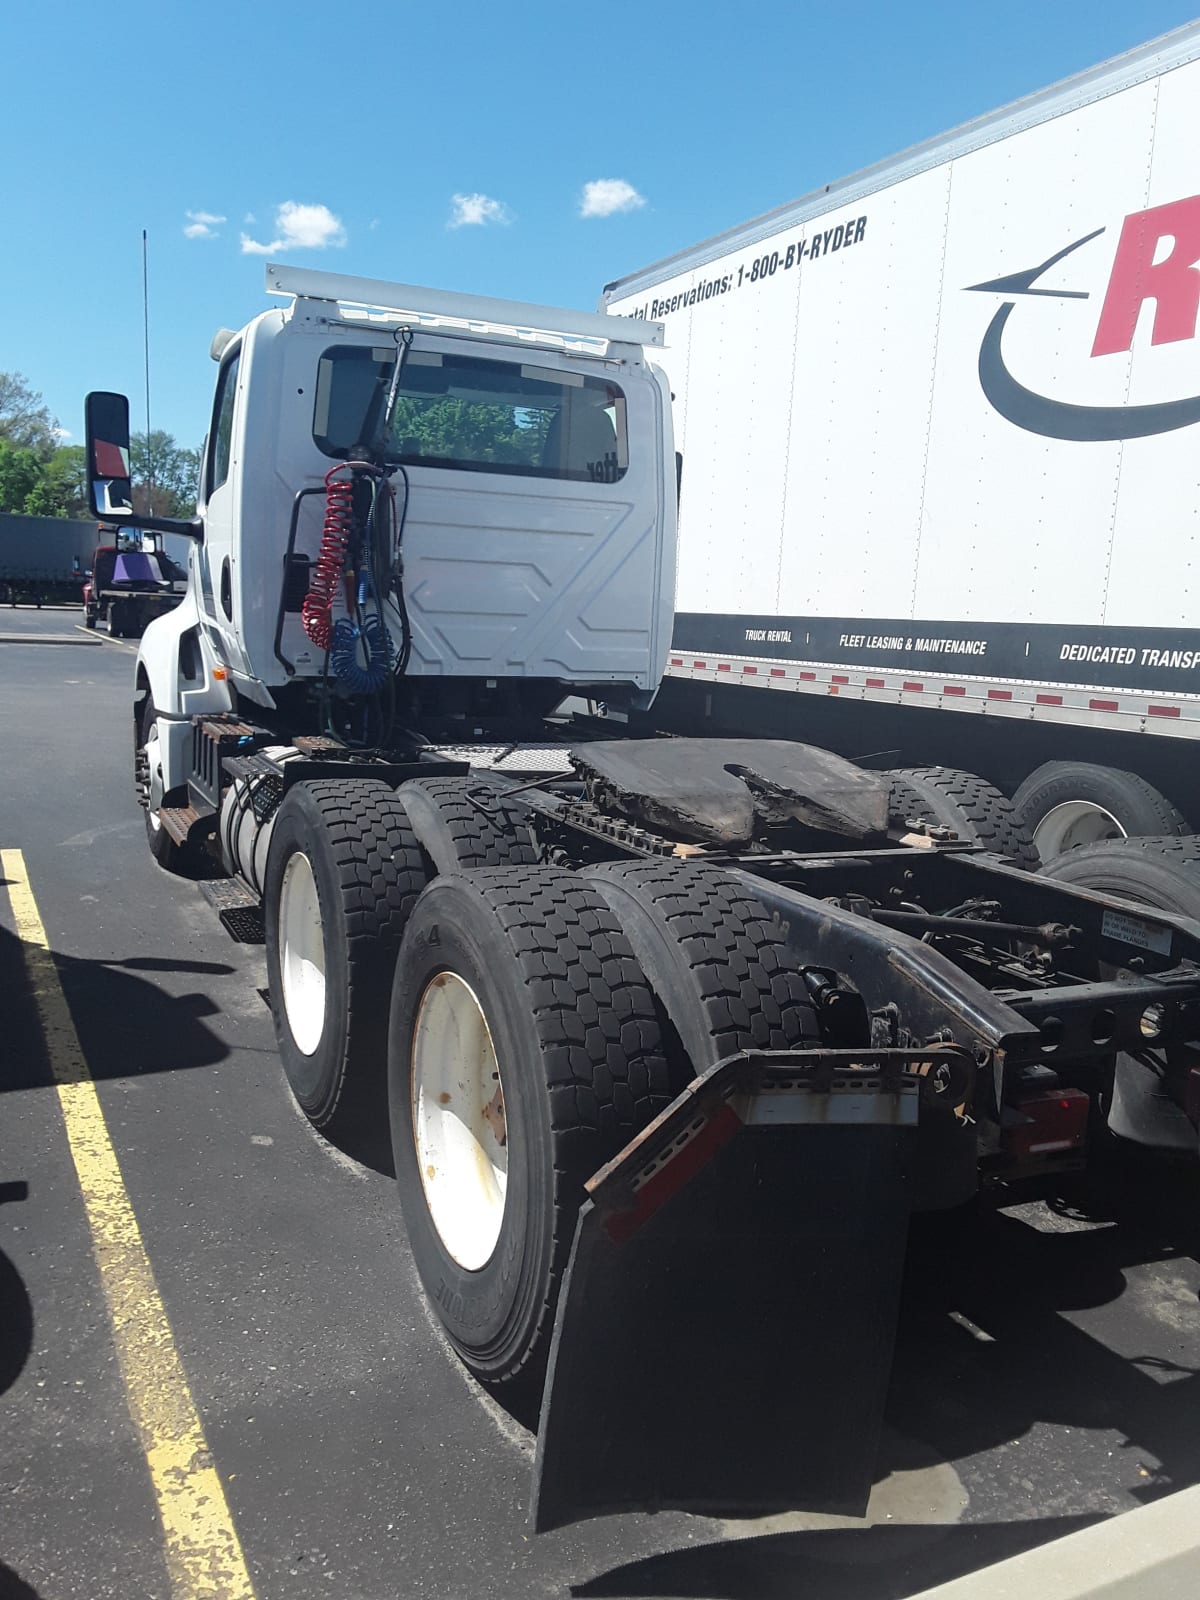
(104, 638)
(203, 1554)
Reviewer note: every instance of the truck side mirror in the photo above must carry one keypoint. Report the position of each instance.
(109, 473)
(110, 487)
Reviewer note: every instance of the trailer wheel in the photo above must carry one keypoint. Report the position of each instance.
(717, 963)
(463, 823)
(343, 872)
(1066, 804)
(1163, 873)
(523, 1053)
(964, 802)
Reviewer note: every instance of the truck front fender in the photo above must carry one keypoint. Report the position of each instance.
(181, 671)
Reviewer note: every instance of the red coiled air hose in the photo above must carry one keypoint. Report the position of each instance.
(316, 611)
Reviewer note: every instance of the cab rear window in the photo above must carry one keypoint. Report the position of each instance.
(472, 415)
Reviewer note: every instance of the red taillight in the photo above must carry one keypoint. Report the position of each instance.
(1050, 1122)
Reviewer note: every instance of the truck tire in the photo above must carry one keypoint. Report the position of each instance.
(523, 1054)
(183, 860)
(1160, 872)
(343, 873)
(1163, 873)
(717, 963)
(1067, 804)
(964, 802)
(463, 823)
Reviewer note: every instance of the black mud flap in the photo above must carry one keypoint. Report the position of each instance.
(725, 1329)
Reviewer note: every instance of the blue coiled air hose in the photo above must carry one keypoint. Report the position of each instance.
(351, 640)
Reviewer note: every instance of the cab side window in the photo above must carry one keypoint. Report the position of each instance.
(221, 442)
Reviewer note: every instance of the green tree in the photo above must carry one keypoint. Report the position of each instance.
(165, 475)
(61, 489)
(20, 472)
(25, 420)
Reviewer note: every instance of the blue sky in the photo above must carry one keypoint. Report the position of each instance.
(345, 133)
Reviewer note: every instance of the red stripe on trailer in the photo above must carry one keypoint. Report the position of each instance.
(1049, 700)
(1163, 711)
(778, 672)
(839, 677)
(999, 694)
(807, 677)
(750, 670)
(723, 666)
(953, 688)
(1102, 705)
(676, 661)
(875, 683)
(914, 688)
(699, 666)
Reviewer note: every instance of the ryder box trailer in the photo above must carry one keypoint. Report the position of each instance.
(940, 437)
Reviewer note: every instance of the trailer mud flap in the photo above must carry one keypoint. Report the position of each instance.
(725, 1329)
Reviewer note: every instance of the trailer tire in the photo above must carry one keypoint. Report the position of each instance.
(973, 808)
(464, 824)
(343, 873)
(1068, 804)
(1163, 873)
(530, 967)
(716, 961)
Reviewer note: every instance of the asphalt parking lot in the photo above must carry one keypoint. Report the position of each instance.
(1048, 1372)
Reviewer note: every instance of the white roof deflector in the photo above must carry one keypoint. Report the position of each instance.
(404, 299)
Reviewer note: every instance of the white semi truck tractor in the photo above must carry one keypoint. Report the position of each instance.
(673, 1033)
(939, 425)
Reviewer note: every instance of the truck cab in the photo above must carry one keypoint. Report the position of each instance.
(493, 483)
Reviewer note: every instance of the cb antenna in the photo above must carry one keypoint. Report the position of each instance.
(146, 352)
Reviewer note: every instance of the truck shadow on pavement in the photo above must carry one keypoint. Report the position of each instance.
(127, 1025)
(1050, 1351)
(16, 1342)
(830, 1564)
(16, 1308)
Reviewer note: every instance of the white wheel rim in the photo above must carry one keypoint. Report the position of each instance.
(458, 1120)
(154, 776)
(1074, 823)
(302, 954)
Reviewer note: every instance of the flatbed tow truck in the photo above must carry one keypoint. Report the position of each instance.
(673, 1034)
(131, 581)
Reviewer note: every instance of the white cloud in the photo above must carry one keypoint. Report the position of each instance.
(64, 434)
(605, 196)
(249, 218)
(202, 224)
(299, 227)
(474, 210)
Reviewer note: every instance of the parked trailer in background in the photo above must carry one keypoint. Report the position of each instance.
(43, 559)
(940, 426)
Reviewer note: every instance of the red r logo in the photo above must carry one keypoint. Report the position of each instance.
(1172, 283)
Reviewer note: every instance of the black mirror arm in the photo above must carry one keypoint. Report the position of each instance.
(186, 527)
